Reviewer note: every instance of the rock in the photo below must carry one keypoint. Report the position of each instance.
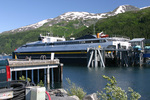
(91, 97)
(75, 97)
(64, 98)
(63, 91)
(60, 94)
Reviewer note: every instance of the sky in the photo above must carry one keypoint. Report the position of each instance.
(18, 13)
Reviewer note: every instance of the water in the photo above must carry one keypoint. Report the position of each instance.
(90, 79)
(5, 57)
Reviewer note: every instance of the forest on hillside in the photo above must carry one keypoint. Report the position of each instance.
(133, 24)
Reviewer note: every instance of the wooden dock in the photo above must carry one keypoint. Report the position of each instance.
(47, 70)
(18, 62)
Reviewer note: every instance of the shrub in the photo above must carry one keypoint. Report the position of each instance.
(74, 90)
(24, 79)
(28, 79)
(41, 83)
(113, 92)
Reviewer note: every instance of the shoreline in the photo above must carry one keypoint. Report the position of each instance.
(61, 94)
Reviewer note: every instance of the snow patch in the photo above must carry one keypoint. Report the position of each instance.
(144, 7)
(80, 15)
(121, 9)
(36, 25)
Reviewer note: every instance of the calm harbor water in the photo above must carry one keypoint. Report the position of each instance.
(90, 79)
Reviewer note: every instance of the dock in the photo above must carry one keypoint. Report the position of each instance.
(47, 70)
(119, 56)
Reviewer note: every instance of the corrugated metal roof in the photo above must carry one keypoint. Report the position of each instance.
(137, 39)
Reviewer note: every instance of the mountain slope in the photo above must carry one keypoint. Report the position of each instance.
(134, 24)
(70, 16)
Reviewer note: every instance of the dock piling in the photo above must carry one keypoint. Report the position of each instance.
(16, 75)
(95, 56)
(90, 59)
(48, 75)
(96, 61)
(45, 76)
(38, 79)
(26, 74)
(101, 59)
(32, 73)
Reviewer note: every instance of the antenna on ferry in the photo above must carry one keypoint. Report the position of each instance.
(48, 34)
(94, 28)
(51, 34)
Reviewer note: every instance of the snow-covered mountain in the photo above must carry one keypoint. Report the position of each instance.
(69, 16)
(123, 9)
(144, 7)
(86, 15)
(32, 26)
(80, 15)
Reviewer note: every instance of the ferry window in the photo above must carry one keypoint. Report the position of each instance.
(69, 43)
(87, 41)
(82, 42)
(77, 42)
(35, 45)
(110, 39)
(42, 44)
(24, 46)
(29, 45)
(50, 43)
(95, 41)
(39, 45)
(45, 44)
(55, 43)
(59, 40)
(103, 41)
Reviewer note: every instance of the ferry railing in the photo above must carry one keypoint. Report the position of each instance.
(119, 36)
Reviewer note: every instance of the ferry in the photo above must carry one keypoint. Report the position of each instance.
(68, 49)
